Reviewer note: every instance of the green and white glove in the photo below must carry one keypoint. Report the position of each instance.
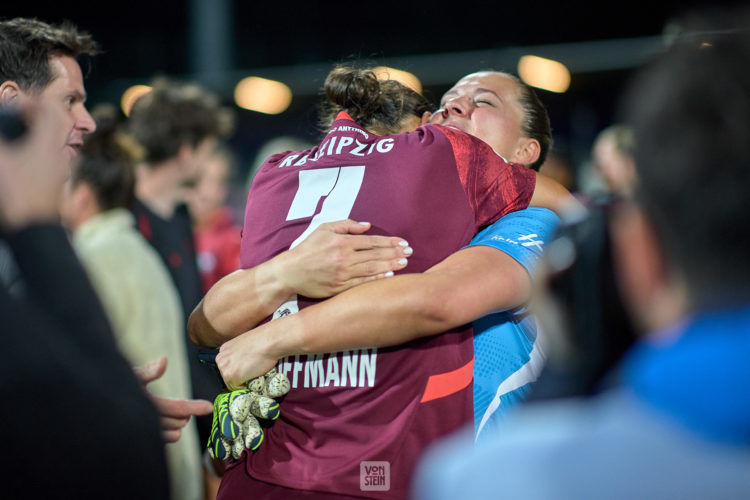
(235, 424)
(272, 385)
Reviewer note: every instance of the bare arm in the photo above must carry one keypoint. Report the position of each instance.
(334, 258)
(320, 267)
(550, 194)
(465, 286)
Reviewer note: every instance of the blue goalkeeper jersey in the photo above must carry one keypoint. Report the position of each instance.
(507, 356)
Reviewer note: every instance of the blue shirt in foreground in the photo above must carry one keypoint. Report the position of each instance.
(679, 427)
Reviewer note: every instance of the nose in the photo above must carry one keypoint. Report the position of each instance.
(458, 105)
(84, 122)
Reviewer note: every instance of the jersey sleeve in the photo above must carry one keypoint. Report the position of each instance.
(523, 235)
(493, 186)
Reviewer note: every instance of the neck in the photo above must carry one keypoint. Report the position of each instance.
(85, 215)
(158, 186)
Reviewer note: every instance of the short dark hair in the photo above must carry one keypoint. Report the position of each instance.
(536, 124)
(26, 46)
(377, 105)
(108, 159)
(175, 113)
(690, 113)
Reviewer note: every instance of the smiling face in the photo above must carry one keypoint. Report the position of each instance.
(486, 105)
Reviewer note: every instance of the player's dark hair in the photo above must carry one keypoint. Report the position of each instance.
(536, 124)
(108, 161)
(377, 105)
(26, 46)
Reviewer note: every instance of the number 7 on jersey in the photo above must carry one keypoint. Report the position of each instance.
(340, 187)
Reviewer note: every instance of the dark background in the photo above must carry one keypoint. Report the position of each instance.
(219, 41)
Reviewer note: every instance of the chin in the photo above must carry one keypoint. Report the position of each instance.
(72, 152)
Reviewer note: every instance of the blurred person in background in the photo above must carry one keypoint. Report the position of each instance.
(178, 125)
(678, 424)
(612, 155)
(217, 233)
(135, 288)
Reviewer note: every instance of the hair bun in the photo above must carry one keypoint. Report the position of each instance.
(357, 91)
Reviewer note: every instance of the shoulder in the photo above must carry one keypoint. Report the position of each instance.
(535, 437)
(523, 234)
(284, 159)
(624, 448)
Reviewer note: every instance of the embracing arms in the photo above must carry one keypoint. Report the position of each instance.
(329, 261)
(467, 285)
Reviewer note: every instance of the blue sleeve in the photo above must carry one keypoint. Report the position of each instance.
(522, 235)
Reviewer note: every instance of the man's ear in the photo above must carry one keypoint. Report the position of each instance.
(528, 151)
(647, 284)
(426, 117)
(9, 92)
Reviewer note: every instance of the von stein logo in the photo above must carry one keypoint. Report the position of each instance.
(374, 476)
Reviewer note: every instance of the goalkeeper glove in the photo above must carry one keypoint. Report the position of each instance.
(235, 424)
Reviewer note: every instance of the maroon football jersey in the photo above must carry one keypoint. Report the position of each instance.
(356, 422)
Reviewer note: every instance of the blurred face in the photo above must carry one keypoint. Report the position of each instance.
(486, 106)
(193, 158)
(211, 189)
(616, 169)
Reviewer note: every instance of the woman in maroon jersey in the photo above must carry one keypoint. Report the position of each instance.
(417, 167)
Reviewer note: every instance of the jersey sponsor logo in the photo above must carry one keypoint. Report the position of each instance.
(291, 306)
(526, 240)
(337, 369)
(531, 240)
(347, 128)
